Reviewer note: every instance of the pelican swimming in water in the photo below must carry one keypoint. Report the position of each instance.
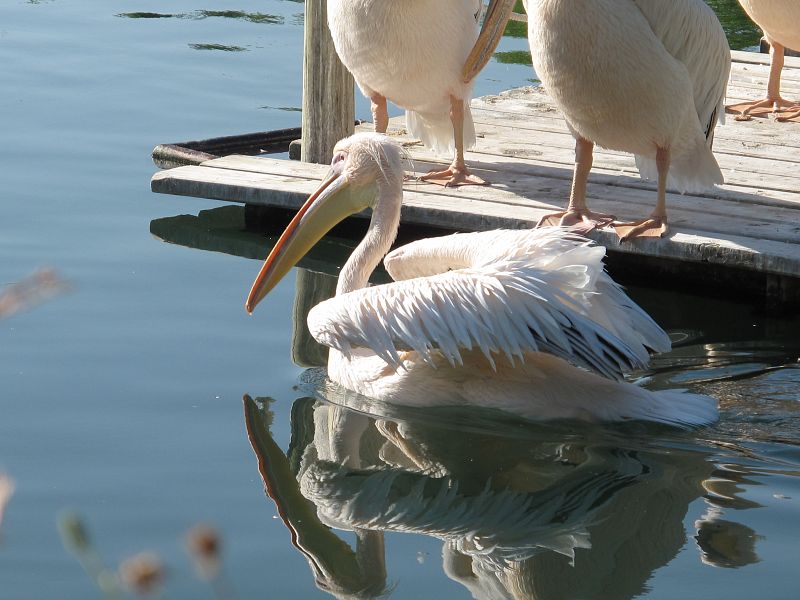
(525, 321)
(418, 55)
(780, 21)
(641, 76)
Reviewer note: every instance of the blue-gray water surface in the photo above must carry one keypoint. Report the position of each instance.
(122, 399)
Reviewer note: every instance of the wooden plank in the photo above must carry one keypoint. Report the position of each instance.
(518, 115)
(757, 133)
(467, 211)
(518, 105)
(744, 171)
(711, 215)
(758, 58)
(525, 175)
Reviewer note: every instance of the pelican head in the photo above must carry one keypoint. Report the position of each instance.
(366, 172)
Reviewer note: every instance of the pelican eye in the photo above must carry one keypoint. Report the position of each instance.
(338, 157)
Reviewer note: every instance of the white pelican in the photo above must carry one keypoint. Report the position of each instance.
(437, 335)
(780, 21)
(640, 76)
(417, 54)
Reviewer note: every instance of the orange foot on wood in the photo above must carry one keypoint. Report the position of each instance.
(453, 177)
(650, 227)
(581, 221)
(745, 111)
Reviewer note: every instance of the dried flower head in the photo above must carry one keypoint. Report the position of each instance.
(74, 534)
(33, 290)
(203, 543)
(143, 573)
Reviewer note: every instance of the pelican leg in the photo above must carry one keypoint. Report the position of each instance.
(578, 216)
(380, 114)
(457, 173)
(380, 119)
(774, 103)
(656, 224)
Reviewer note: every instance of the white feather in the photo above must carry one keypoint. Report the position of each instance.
(513, 292)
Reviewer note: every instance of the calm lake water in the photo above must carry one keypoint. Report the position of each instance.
(122, 400)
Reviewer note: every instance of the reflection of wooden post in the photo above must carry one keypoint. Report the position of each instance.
(311, 288)
(328, 103)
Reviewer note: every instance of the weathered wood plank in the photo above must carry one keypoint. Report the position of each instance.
(520, 172)
(744, 170)
(742, 167)
(758, 58)
(471, 213)
(517, 115)
(713, 215)
(531, 108)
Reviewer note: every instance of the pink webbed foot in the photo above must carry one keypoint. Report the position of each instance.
(650, 227)
(766, 107)
(581, 221)
(453, 176)
(791, 114)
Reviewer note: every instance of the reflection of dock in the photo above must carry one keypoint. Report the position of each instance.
(750, 226)
(223, 230)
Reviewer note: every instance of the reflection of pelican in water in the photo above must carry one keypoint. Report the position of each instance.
(437, 335)
(522, 513)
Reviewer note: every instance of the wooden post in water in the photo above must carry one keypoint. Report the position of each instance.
(310, 289)
(328, 102)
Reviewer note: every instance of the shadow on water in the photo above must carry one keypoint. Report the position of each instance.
(207, 14)
(222, 47)
(197, 15)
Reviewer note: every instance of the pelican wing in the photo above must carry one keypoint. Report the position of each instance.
(503, 292)
(692, 33)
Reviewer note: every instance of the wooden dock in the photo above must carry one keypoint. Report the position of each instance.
(749, 227)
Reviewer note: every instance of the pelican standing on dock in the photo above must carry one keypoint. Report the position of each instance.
(416, 54)
(641, 76)
(780, 21)
(524, 321)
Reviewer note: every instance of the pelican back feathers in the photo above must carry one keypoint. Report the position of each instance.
(501, 292)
